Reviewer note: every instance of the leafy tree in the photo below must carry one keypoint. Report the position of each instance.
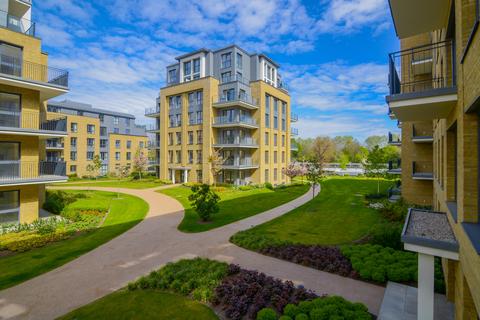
(94, 167)
(375, 164)
(204, 201)
(216, 161)
(314, 175)
(344, 161)
(140, 163)
(122, 172)
(372, 141)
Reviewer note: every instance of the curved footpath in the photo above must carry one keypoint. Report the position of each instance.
(151, 244)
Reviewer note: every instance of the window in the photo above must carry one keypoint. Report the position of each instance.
(283, 140)
(266, 157)
(240, 77)
(190, 137)
(116, 130)
(199, 156)
(170, 156)
(275, 138)
(73, 155)
(117, 156)
(275, 154)
(284, 125)
(127, 122)
(191, 119)
(10, 107)
(101, 117)
(275, 174)
(199, 176)
(90, 142)
(267, 111)
(104, 156)
(115, 120)
(190, 156)
(73, 127)
(239, 61)
(90, 155)
(117, 144)
(226, 77)
(73, 141)
(73, 168)
(199, 136)
(175, 102)
(129, 144)
(171, 120)
(187, 71)
(179, 156)
(267, 175)
(103, 131)
(228, 95)
(275, 122)
(283, 156)
(129, 156)
(178, 120)
(196, 68)
(103, 143)
(141, 144)
(226, 60)
(9, 206)
(179, 137)
(267, 138)
(172, 76)
(170, 138)
(284, 109)
(199, 117)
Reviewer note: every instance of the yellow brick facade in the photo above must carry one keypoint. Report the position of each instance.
(129, 145)
(200, 169)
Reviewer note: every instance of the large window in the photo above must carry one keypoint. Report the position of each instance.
(12, 60)
(9, 110)
(267, 111)
(9, 159)
(172, 76)
(73, 127)
(187, 71)
(226, 60)
(239, 61)
(9, 206)
(90, 128)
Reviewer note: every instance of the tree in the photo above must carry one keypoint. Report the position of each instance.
(122, 172)
(94, 167)
(294, 170)
(372, 141)
(323, 150)
(216, 161)
(314, 175)
(140, 163)
(375, 164)
(204, 201)
(344, 160)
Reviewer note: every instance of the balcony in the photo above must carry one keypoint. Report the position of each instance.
(422, 133)
(236, 142)
(243, 100)
(293, 146)
(54, 145)
(294, 131)
(244, 122)
(152, 112)
(17, 172)
(239, 164)
(395, 167)
(31, 123)
(227, 79)
(153, 144)
(282, 85)
(152, 128)
(17, 24)
(422, 170)
(294, 117)
(394, 139)
(420, 89)
(51, 82)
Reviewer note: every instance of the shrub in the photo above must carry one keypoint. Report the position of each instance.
(253, 241)
(267, 314)
(56, 201)
(196, 277)
(191, 184)
(387, 235)
(268, 185)
(204, 201)
(162, 181)
(285, 318)
(291, 310)
(301, 316)
(23, 241)
(394, 211)
(246, 188)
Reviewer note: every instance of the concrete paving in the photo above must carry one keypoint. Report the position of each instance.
(151, 244)
(400, 303)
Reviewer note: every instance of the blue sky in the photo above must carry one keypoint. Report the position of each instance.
(333, 53)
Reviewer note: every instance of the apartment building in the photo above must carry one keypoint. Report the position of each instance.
(113, 136)
(26, 82)
(227, 104)
(435, 94)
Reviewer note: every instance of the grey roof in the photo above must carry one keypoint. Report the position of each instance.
(192, 53)
(74, 105)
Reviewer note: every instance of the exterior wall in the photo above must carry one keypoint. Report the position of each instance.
(29, 201)
(136, 146)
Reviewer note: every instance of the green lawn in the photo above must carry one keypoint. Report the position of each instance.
(338, 215)
(124, 214)
(234, 205)
(129, 184)
(143, 304)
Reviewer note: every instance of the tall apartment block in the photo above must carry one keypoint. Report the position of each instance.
(228, 103)
(113, 136)
(26, 82)
(435, 95)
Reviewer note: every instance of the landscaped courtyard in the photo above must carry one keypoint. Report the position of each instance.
(128, 183)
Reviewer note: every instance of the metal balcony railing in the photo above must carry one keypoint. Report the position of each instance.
(154, 144)
(294, 117)
(153, 127)
(394, 138)
(395, 166)
(236, 77)
(20, 68)
(240, 97)
(237, 141)
(235, 120)
(54, 144)
(422, 170)
(283, 85)
(17, 170)
(294, 132)
(238, 162)
(30, 120)
(17, 24)
(154, 110)
(417, 69)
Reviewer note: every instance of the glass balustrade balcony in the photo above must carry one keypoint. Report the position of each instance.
(20, 172)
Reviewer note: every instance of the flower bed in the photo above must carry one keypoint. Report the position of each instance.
(238, 293)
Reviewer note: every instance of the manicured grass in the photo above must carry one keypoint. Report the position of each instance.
(124, 214)
(338, 215)
(143, 304)
(234, 205)
(128, 184)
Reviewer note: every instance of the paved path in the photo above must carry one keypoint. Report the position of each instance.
(154, 242)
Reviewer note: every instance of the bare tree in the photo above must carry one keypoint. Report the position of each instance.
(216, 161)
(323, 150)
